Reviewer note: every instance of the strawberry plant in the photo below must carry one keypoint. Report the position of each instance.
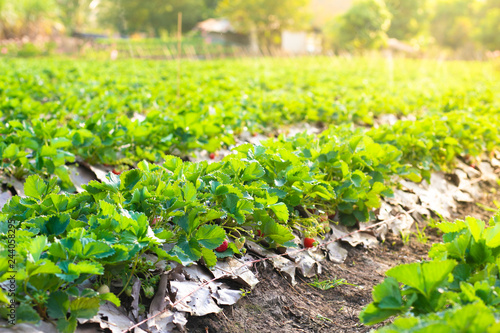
(461, 277)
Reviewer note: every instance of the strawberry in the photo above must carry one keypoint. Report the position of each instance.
(254, 134)
(260, 233)
(156, 220)
(309, 242)
(240, 242)
(212, 156)
(149, 291)
(104, 289)
(116, 172)
(222, 247)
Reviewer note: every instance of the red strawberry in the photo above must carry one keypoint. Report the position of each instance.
(254, 134)
(309, 242)
(212, 156)
(116, 172)
(260, 233)
(222, 247)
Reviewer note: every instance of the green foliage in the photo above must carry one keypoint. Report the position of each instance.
(181, 211)
(25, 17)
(456, 291)
(363, 26)
(330, 284)
(409, 18)
(261, 14)
(487, 29)
(155, 16)
(452, 24)
(210, 114)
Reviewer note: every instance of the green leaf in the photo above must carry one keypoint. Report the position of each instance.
(277, 232)
(361, 215)
(85, 267)
(97, 250)
(449, 227)
(280, 210)
(130, 179)
(110, 297)
(189, 192)
(476, 227)
(209, 257)
(57, 250)
(37, 246)
(112, 182)
(67, 325)
(188, 222)
(425, 277)
(26, 314)
(190, 248)
(372, 315)
(58, 304)
(357, 178)
(350, 195)
(474, 317)
(253, 171)
(492, 236)
(84, 307)
(11, 151)
(347, 219)
(210, 236)
(56, 224)
(480, 253)
(43, 266)
(35, 187)
(48, 151)
(387, 295)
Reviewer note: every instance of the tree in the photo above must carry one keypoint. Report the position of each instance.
(363, 26)
(26, 17)
(453, 22)
(409, 18)
(73, 13)
(130, 16)
(261, 18)
(488, 25)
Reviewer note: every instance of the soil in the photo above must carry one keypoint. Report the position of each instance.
(277, 306)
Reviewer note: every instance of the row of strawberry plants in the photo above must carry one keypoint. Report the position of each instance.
(431, 143)
(456, 291)
(183, 211)
(260, 93)
(63, 98)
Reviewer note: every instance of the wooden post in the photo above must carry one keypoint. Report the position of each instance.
(179, 50)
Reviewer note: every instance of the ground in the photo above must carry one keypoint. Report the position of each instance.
(277, 306)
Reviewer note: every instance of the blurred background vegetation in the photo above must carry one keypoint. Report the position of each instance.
(455, 28)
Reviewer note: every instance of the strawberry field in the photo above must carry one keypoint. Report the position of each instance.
(135, 197)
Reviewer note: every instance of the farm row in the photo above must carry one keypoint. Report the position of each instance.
(127, 115)
(121, 113)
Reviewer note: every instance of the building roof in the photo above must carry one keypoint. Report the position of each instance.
(215, 25)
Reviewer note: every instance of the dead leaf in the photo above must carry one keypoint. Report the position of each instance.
(196, 301)
(4, 198)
